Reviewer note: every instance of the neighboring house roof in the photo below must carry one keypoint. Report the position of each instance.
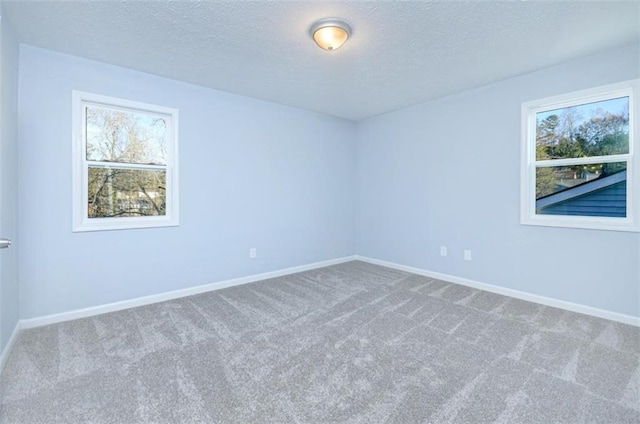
(604, 196)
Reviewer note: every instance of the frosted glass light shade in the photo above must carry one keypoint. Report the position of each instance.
(330, 34)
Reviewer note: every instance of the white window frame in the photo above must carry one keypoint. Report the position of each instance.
(528, 215)
(81, 221)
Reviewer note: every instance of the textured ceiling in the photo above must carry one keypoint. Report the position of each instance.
(400, 53)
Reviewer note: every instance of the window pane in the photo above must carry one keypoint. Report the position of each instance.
(126, 192)
(592, 129)
(585, 190)
(122, 136)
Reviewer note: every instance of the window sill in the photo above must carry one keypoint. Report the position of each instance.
(109, 224)
(585, 223)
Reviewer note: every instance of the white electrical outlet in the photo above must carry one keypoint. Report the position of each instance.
(443, 251)
(467, 255)
(253, 253)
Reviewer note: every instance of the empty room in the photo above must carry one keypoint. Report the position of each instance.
(319, 212)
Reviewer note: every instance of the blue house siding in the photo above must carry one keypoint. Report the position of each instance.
(609, 201)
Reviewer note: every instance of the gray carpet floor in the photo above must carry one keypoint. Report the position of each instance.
(351, 343)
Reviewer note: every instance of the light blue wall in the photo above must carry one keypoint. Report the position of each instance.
(447, 173)
(303, 187)
(252, 174)
(9, 278)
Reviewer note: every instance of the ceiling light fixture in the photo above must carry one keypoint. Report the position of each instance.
(330, 33)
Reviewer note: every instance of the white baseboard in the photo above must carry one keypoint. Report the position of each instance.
(161, 297)
(4, 355)
(547, 301)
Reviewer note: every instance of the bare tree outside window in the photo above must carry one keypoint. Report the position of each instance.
(128, 140)
(126, 192)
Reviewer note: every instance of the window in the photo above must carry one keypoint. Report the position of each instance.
(579, 165)
(126, 164)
